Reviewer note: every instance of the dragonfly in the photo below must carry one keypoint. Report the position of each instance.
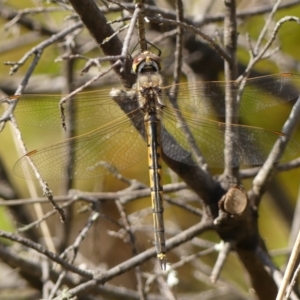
(144, 122)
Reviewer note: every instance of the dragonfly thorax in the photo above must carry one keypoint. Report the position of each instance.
(149, 90)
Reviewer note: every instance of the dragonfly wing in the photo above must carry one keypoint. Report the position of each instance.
(200, 98)
(208, 139)
(90, 110)
(117, 144)
(208, 98)
(252, 145)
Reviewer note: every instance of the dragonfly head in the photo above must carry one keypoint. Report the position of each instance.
(146, 62)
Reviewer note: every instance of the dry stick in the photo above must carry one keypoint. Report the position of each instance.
(218, 17)
(51, 255)
(265, 28)
(81, 88)
(38, 50)
(163, 36)
(35, 10)
(8, 13)
(129, 34)
(89, 61)
(45, 277)
(256, 58)
(29, 265)
(127, 225)
(54, 38)
(230, 70)
(78, 195)
(141, 27)
(174, 91)
(178, 49)
(116, 33)
(94, 19)
(65, 186)
(120, 20)
(261, 180)
(293, 260)
(294, 244)
(44, 217)
(295, 276)
(296, 223)
(223, 254)
(119, 5)
(191, 28)
(244, 14)
(43, 184)
(125, 197)
(192, 209)
(201, 274)
(74, 247)
(183, 261)
(21, 149)
(293, 164)
(131, 263)
(271, 269)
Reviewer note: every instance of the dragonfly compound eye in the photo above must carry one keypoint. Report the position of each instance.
(146, 62)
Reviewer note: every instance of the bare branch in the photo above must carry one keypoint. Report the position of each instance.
(261, 180)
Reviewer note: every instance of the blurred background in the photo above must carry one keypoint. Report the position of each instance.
(104, 246)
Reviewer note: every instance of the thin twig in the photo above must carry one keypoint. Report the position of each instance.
(219, 264)
(197, 155)
(256, 58)
(137, 260)
(20, 146)
(81, 88)
(129, 34)
(41, 249)
(295, 275)
(272, 270)
(265, 28)
(79, 196)
(54, 38)
(261, 180)
(45, 216)
(33, 10)
(191, 28)
(74, 248)
(27, 265)
(284, 167)
(134, 249)
(230, 70)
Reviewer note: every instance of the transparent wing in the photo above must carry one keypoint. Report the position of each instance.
(207, 98)
(91, 110)
(118, 144)
(95, 109)
(252, 145)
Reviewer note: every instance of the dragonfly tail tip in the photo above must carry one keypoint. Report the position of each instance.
(162, 261)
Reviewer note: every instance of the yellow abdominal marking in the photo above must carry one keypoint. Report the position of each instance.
(161, 256)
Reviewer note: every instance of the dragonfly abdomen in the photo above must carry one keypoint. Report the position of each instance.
(153, 130)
